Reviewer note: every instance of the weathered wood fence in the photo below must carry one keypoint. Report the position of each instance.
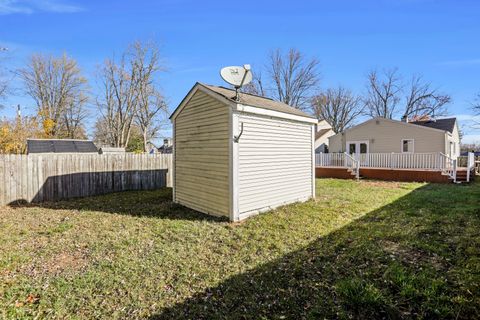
(37, 178)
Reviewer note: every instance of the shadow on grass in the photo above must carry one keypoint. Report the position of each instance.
(143, 203)
(409, 259)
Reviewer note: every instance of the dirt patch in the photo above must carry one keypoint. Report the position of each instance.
(63, 262)
(412, 256)
(383, 184)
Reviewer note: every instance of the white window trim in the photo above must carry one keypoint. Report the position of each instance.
(413, 145)
(357, 142)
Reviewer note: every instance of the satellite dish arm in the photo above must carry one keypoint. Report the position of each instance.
(246, 67)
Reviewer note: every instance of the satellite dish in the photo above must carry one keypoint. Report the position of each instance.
(237, 76)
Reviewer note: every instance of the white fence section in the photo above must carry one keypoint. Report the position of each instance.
(423, 161)
(37, 178)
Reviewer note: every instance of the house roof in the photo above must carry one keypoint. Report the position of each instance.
(426, 126)
(320, 133)
(441, 124)
(60, 146)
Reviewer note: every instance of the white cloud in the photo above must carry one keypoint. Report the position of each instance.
(31, 6)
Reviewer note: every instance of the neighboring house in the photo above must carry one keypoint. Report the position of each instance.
(322, 133)
(43, 146)
(380, 135)
(236, 158)
(167, 146)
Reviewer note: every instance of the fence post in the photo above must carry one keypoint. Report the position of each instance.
(358, 170)
(455, 170)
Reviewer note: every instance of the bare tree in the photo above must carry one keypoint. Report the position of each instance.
(119, 99)
(476, 105)
(131, 96)
(421, 99)
(291, 78)
(339, 107)
(387, 90)
(74, 118)
(383, 93)
(256, 86)
(152, 108)
(3, 86)
(294, 77)
(55, 84)
(476, 110)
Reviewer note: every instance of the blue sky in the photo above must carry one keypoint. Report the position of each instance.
(438, 39)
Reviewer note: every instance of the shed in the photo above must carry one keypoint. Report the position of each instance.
(60, 146)
(239, 157)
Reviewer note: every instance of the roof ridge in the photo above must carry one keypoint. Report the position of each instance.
(246, 93)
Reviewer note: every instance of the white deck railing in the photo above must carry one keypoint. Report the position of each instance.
(431, 161)
(470, 164)
(353, 164)
(450, 167)
(424, 161)
(338, 160)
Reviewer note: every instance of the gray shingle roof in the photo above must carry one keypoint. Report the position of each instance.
(60, 146)
(441, 124)
(321, 132)
(257, 101)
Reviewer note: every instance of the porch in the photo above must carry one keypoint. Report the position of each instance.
(429, 167)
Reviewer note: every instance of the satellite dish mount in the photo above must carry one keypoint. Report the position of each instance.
(237, 76)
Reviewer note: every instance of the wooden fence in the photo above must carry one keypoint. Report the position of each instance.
(37, 178)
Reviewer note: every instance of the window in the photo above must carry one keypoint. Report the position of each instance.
(407, 146)
(352, 148)
(363, 148)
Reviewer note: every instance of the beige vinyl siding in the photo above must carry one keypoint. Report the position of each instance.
(202, 155)
(386, 136)
(274, 163)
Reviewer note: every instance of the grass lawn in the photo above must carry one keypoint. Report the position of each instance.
(362, 249)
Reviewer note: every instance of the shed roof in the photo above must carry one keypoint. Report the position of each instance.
(447, 124)
(245, 99)
(256, 101)
(60, 146)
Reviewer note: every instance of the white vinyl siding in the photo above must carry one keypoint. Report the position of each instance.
(274, 163)
(384, 136)
(202, 171)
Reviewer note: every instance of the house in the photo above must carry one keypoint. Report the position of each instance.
(167, 146)
(45, 146)
(424, 150)
(239, 156)
(380, 135)
(323, 131)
